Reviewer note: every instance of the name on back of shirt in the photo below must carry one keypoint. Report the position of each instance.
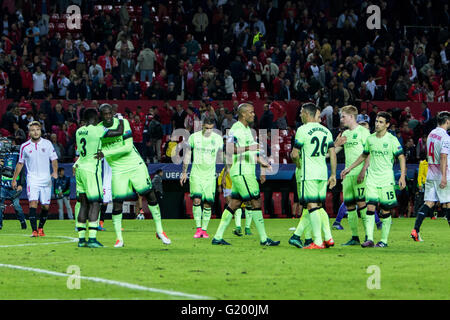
(313, 130)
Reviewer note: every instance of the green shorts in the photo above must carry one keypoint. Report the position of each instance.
(127, 185)
(202, 188)
(90, 183)
(385, 196)
(352, 191)
(244, 188)
(312, 191)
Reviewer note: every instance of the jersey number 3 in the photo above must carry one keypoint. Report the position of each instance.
(83, 147)
(323, 147)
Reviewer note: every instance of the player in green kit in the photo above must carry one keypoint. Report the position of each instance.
(129, 174)
(353, 140)
(205, 145)
(245, 187)
(312, 143)
(383, 148)
(88, 175)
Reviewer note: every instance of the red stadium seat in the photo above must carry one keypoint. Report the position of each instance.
(277, 203)
(107, 8)
(61, 28)
(54, 18)
(51, 28)
(188, 205)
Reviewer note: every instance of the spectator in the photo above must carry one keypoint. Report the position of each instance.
(58, 147)
(156, 133)
(39, 84)
(62, 194)
(200, 22)
(62, 84)
(137, 128)
(228, 121)
(363, 116)
(127, 67)
(189, 121)
(19, 134)
(146, 63)
(178, 117)
(95, 66)
(229, 84)
(165, 114)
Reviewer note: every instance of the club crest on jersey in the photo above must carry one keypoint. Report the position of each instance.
(43, 149)
(355, 135)
(385, 145)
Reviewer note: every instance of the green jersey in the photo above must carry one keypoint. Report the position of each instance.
(313, 140)
(88, 143)
(382, 152)
(120, 152)
(205, 152)
(354, 147)
(243, 163)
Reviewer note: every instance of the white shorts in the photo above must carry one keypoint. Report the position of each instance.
(107, 177)
(40, 193)
(226, 192)
(434, 193)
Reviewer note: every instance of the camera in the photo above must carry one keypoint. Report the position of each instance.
(9, 154)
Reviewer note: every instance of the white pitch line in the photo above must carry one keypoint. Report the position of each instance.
(70, 239)
(111, 282)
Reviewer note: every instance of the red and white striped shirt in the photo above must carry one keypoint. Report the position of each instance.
(37, 156)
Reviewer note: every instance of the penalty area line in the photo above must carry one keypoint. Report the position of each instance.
(110, 282)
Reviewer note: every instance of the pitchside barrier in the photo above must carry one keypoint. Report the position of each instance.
(276, 193)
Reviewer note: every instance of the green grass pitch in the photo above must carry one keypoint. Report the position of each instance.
(245, 270)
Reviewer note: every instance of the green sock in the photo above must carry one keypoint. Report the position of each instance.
(117, 223)
(81, 233)
(197, 213)
(77, 210)
(156, 214)
(303, 223)
(248, 219)
(224, 222)
(238, 217)
(325, 224)
(93, 231)
(206, 218)
(316, 226)
(370, 224)
(364, 218)
(385, 229)
(353, 222)
(259, 224)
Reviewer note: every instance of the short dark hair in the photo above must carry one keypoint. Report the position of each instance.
(384, 115)
(209, 120)
(310, 108)
(159, 171)
(442, 117)
(90, 114)
(60, 169)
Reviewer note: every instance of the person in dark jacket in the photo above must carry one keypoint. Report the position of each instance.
(62, 194)
(6, 190)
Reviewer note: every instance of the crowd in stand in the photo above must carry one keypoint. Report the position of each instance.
(317, 51)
